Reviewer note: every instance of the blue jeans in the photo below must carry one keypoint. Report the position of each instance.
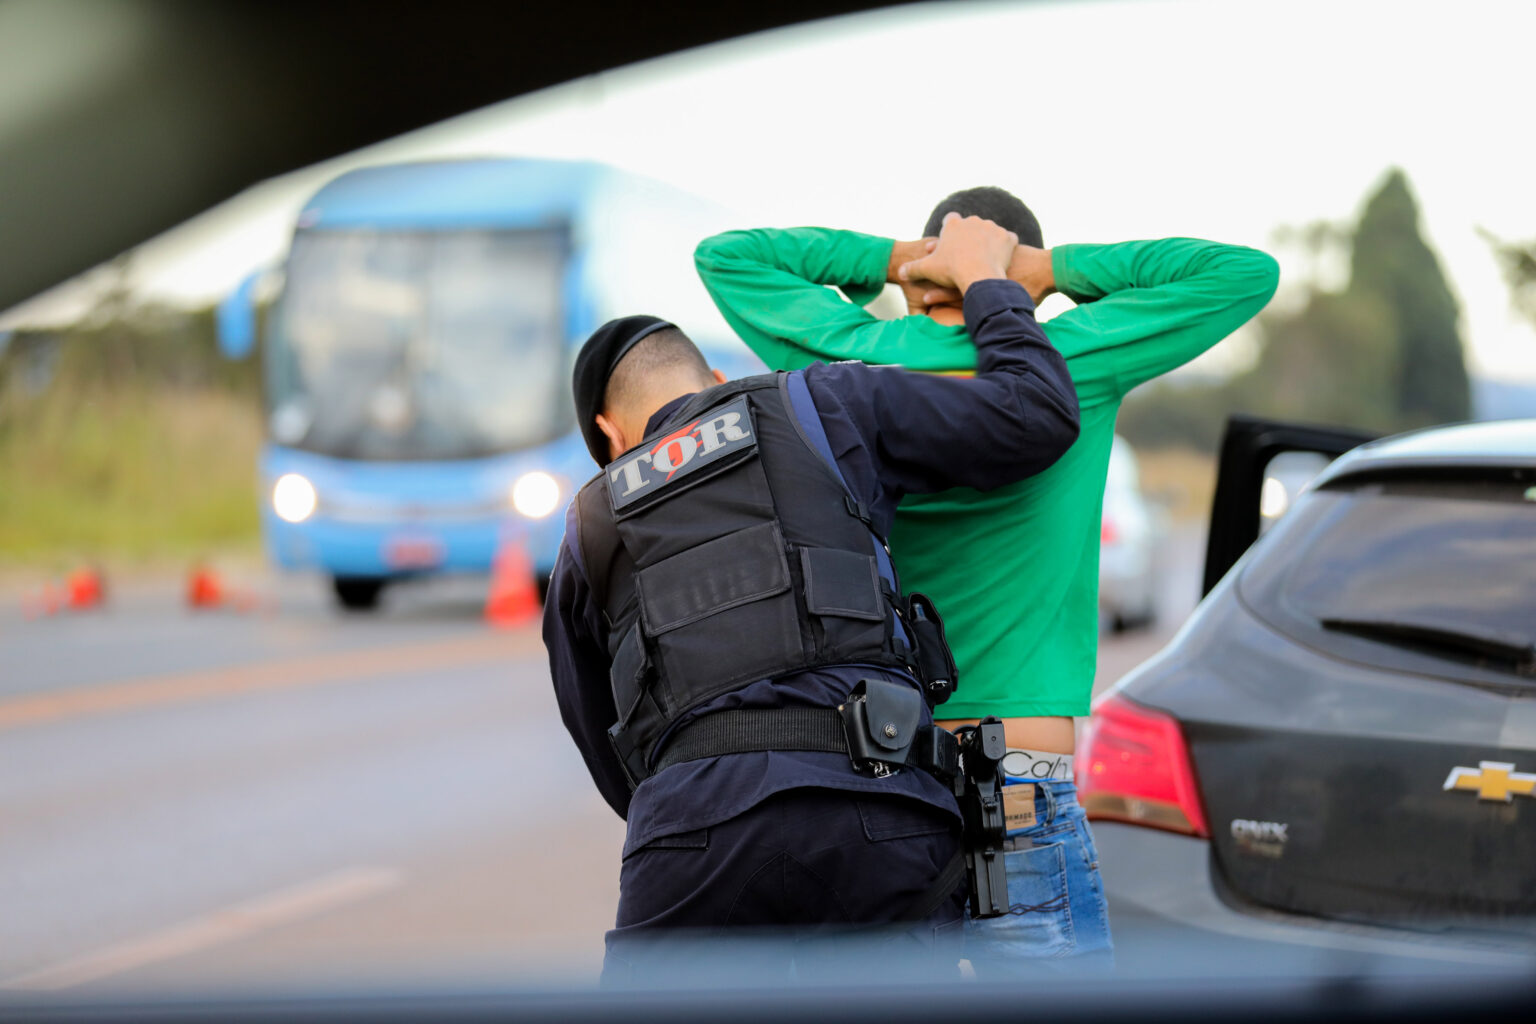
(1059, 910)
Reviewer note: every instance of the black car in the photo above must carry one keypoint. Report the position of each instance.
(1338, 750)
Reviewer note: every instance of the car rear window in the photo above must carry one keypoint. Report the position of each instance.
(1455, 552)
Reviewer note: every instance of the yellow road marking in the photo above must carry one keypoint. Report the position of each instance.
(221, 926)
(312, 670)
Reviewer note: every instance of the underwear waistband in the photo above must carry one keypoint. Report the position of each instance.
(1028, 766)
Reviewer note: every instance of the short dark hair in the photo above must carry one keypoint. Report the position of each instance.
(667, 351)
(997, 205)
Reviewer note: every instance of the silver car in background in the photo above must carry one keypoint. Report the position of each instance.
(1130, 534)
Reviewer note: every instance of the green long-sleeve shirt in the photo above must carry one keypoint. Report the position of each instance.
(1014, 571)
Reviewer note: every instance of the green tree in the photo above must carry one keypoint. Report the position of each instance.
(1383, 353)
(1336, 361)
(1391, 262)
(1518, 260)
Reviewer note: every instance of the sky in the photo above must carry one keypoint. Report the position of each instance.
(1113, 119)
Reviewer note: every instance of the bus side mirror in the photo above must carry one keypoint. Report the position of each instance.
(237, 318)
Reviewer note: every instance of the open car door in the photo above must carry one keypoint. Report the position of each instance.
(1250, 481)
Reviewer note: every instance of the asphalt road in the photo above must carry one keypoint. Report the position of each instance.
(297, 800)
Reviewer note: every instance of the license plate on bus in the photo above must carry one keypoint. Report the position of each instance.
(413, 552)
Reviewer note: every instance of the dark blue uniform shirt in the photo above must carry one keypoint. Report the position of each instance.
(892, 432)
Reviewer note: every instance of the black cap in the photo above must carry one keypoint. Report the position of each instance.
(594, 365)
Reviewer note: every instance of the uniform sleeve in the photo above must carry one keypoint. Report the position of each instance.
(770, 285)
(919, 433)
(1149, 307)
(578, 664)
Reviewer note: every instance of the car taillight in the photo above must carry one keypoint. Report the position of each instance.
(1108, 534)
(1133, 765)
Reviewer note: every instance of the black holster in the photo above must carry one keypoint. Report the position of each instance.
(979, 789)
(935, 662)
(882, 724)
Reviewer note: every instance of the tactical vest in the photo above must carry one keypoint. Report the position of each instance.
(724, 550)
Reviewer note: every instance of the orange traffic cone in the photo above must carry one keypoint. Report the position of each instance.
(84, 589)
(203, 588)
(514, 596)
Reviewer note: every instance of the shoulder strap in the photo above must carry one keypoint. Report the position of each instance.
(598, 546)
(810, 422)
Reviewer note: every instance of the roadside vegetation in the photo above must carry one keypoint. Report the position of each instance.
(1380, 350)
(126, 439)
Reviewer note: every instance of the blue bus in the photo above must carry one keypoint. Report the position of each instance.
(417, 358)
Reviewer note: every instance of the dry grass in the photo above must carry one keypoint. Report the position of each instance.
(1181, 478)
(127, 474)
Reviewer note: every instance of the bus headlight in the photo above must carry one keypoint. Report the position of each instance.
(536, 494)
(293, 498)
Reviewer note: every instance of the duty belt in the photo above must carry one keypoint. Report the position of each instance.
(877, 729)
(815, 730)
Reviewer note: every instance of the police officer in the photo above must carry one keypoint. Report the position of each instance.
(729, 646)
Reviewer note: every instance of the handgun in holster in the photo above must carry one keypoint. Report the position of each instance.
(978, 787)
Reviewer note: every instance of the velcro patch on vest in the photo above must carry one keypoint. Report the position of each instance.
(667, 460)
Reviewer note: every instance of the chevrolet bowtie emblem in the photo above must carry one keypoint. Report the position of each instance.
(1492, 780)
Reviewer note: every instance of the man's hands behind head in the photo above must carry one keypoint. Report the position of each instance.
(1030, 267)
(915, 292)
(970, 249)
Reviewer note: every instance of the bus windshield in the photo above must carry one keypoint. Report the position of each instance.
(420, 345)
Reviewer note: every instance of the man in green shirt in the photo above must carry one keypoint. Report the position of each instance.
(1014, 570)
